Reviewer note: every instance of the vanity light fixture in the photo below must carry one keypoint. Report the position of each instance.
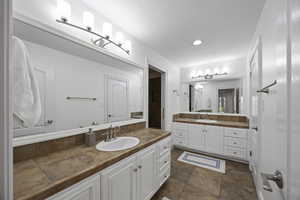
(63, 10)
(197, 42)
(119, 38)
(104, 39)
(107, 30)
(88, 20)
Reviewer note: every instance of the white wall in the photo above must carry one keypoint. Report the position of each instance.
(273, 31)
(294, 139)
(44, 11)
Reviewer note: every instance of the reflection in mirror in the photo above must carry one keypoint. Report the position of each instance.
(224, 96)
(72, 92)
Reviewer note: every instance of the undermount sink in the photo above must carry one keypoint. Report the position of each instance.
(206, 121)
(118, 144)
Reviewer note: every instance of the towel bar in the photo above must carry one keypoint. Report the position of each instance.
(82, 98)
(266, 89)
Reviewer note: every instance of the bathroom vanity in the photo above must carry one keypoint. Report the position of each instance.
(83, 173)
(218, 134)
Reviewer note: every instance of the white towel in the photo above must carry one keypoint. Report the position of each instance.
(27, 102)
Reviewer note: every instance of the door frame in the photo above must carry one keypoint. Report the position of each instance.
(164, 96)
(257, 48)
(6, 189)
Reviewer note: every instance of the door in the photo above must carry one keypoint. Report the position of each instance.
(214, 139)
(196, 137)
(255, 107)
(88, 189)
(146, 175)
(117, 99)
(120, 181)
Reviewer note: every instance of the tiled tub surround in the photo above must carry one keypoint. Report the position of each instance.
(227, 137)
(54, 169)
(234, 121)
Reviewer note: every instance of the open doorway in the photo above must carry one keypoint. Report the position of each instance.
(156, 98)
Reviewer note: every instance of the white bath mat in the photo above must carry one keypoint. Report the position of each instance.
(203, 161)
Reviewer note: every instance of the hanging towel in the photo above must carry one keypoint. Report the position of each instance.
(27, 102)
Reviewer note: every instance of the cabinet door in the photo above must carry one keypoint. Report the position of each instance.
(88, 189)
(196, 139)
(147, 171)
(214, 139)
(120, 181)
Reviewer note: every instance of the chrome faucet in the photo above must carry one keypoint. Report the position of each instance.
(111, 134)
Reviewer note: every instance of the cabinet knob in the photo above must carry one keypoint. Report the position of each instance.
(166, 161)
(135, 169)
(140, 167)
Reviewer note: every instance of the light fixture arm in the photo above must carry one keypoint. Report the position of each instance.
(95, 42)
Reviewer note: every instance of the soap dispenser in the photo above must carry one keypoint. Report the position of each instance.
(90, 138)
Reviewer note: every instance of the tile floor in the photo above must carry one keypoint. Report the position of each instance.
(189, 182)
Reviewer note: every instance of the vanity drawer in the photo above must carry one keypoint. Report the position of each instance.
(164, 175)
(179, 126)
(179, 141)
(234, 152)
(165, 146)
(179, 133)
(164, 161)
(235, 142)
(234, 132)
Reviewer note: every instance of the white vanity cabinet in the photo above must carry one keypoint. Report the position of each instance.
(231, 142)
(88, 189)
(197, 137)
(120, 180)
(137, 177)
(214, 139)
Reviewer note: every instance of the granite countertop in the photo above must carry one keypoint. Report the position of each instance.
(231, 124)
(44, 176)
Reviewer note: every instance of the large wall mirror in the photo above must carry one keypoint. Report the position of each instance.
(75, 92)
(217, 96)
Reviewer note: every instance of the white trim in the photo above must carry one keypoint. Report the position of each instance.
(20, 141)
(6, 167)
(166, 75)
(68, 37)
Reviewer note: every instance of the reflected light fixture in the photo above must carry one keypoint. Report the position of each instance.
(88, 20)
(208, 75)
(63, 10)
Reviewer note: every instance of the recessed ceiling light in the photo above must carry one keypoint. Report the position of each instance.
(197, 42)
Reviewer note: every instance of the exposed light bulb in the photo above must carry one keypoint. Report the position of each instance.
(216, 71)
(197, 42)
(107, 30)
(63, 10)
(207, 72)
(119, 38)
(88, 20)
(128, 46)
